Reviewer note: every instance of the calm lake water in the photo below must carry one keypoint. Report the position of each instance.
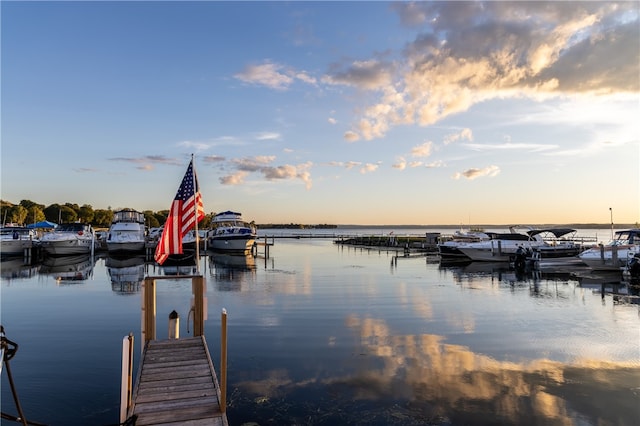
(323, 334)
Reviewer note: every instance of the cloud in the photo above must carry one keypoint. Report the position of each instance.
(85, 170)
(262, 164)
(474, 173)
(508, 146)
(213, 159)
(400, 164)
(351, 136)
(236, 178)
(274, 76)
(435, 164)
(463, 134)
(368, 168)
(470, 52)
(263, 136)
(371, 74)
(423, 150)
(332, 120)
(147, 162)
(197, 146)
(267, 74)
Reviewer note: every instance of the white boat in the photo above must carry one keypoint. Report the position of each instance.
(448, 250)
(126, 233)
(14, 240)
(69, 238)
(189, 240)
(614, 255)
(502, 247)
(230, 233)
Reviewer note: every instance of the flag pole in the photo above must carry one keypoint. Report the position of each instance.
(195, 210)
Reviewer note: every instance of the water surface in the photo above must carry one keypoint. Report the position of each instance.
(321, 334)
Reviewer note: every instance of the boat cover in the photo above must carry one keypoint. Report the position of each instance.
(557, 232)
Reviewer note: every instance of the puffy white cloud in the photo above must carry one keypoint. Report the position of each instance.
(470, 52)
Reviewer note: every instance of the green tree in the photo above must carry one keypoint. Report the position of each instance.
(150, 219)
(86, 213)
(35, 214)
(17, 214)
(28, 204)
(102, 218)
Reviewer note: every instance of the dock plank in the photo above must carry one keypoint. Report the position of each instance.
(177, 385)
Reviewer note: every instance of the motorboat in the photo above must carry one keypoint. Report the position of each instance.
(230, 233)
(189, 240)
(69, 238)
(616, 254)
(448, 250)
(501, 247)
(126, 233)
(68, 268)
(559, 242)
(14, 240)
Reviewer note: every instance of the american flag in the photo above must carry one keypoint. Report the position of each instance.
(182, 216)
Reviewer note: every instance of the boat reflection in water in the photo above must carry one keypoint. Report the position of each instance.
(180, 264)
(68, 268)
(17, 268)
(231, 270)
(126, 274)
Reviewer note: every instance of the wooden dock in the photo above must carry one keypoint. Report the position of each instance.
(177, 384)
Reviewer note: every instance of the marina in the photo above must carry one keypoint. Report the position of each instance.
(330, 334)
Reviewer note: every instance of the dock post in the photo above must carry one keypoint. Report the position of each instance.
(127, 377)
(174, 325)
(223, 361)
(149, 307)
(197, 285)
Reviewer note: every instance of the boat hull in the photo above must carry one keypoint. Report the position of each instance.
(232, 243)
(14, 247)
(609, 258)
(67, 247)
(125, 247)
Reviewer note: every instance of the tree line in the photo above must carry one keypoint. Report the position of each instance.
(28, 211)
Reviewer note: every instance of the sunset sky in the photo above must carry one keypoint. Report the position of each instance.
(365, 113)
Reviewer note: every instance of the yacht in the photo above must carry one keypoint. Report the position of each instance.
(69, 238)
(449, 250)
(616, 254)
(127, 232)
(501, 247)
(230, 233)
(14, 240)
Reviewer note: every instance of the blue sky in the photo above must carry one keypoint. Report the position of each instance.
(327, 112)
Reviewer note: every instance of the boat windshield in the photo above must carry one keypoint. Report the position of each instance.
(626, 237)
(71, 227)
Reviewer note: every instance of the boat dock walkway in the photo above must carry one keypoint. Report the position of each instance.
(177, 384)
